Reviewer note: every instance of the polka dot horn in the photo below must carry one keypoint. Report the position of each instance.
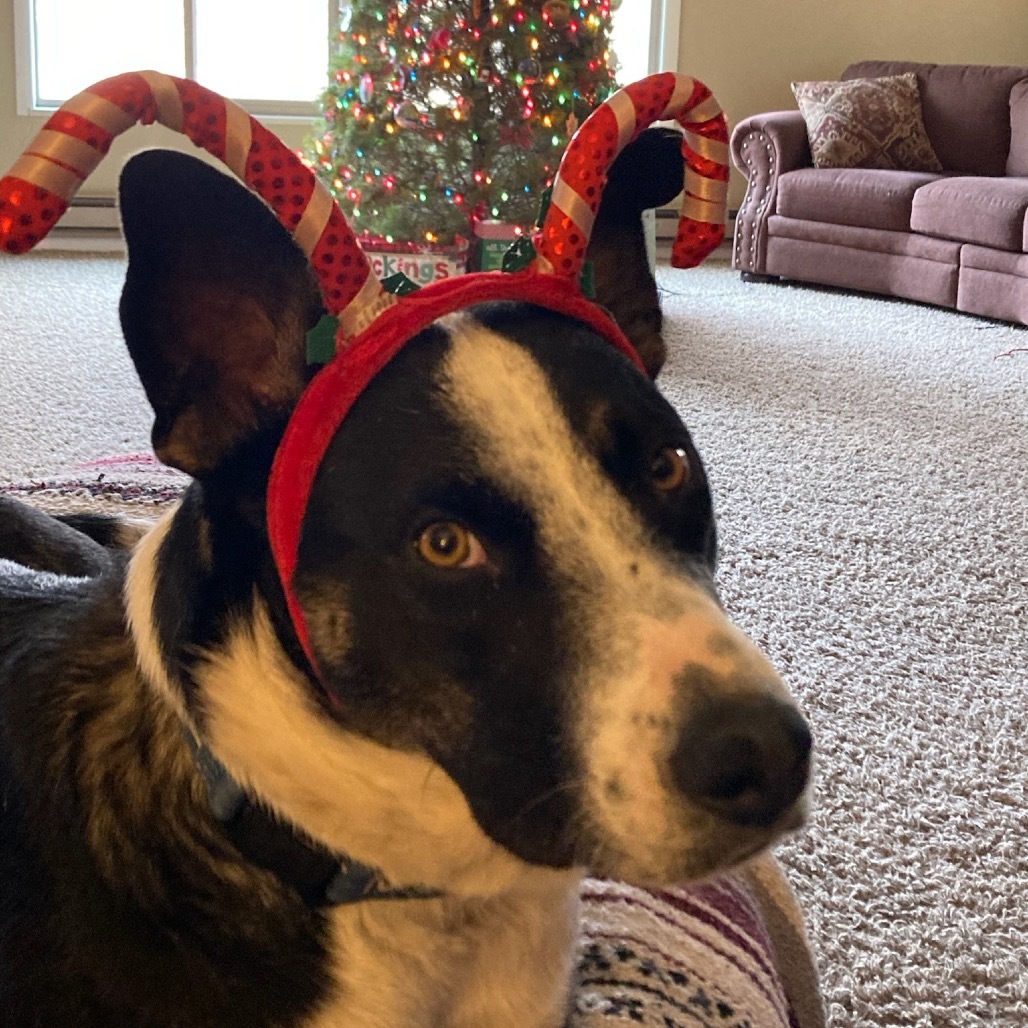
(40, 185)
(562, 241)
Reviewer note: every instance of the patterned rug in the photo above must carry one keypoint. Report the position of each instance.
(136, 479)
(729, 952)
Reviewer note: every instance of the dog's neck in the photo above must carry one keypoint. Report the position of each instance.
(319, 876)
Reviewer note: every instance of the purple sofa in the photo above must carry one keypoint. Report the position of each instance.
(958, 239)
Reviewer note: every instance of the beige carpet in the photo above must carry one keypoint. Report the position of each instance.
(870, 465)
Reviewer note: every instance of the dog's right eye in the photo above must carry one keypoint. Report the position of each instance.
(670, 469)
(448, 544)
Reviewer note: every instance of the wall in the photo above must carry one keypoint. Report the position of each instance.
(11, 134)
(748, 51)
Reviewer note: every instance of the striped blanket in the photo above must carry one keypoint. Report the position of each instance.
(726, 953)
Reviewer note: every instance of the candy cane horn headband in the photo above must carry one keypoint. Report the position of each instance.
(373, 324)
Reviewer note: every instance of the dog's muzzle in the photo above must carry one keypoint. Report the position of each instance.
(698, 756)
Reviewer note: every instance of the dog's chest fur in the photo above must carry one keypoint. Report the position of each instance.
(506, 962)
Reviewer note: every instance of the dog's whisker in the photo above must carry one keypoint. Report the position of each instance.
(430, 771)
(572, 787)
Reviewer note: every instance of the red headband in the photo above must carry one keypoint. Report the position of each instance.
(373, 324)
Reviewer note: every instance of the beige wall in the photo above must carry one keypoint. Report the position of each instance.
(748, 51)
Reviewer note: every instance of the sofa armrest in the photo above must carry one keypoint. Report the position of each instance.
(764, 146)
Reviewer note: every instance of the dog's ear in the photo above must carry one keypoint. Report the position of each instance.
(217, 302)
(647, 173)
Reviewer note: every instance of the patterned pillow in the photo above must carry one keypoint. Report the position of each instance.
(729, 951)
(866, 123)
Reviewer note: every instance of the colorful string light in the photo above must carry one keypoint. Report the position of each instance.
(450, 112)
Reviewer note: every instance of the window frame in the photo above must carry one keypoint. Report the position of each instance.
(665, 24)
(28, 104)
(665, 29)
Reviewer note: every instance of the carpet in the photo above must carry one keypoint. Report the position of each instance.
(869, 462)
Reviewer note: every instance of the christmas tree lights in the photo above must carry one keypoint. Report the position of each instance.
(440, 114)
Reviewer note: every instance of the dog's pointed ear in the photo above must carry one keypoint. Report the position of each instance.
(217, 302)
(648, 173)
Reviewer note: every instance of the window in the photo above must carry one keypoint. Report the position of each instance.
(645, 37)
(275, 62)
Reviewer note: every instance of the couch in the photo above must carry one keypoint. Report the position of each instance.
(957, 237)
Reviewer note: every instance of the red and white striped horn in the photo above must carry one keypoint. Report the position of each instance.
(578, 187)
(37, 190)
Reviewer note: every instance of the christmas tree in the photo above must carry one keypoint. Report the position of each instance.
(439, 114)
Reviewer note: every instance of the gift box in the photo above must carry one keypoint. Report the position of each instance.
(421, 263)
(492, 239)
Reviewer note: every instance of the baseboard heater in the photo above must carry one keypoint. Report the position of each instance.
(667, 223)
(91, 222)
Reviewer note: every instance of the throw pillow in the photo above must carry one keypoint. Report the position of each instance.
(727, 951)
(866, 123)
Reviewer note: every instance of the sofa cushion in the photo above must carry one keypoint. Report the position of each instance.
(984, 210)
(965, 108)
(893, 263)
(1017, 161)
(993, 284)
(984, 258)
(868, 240)
(851, 196)
(866, 123)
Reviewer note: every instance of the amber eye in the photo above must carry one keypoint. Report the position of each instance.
(670, 469)
(447, 544)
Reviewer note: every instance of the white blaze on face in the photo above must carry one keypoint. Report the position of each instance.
(640, 623)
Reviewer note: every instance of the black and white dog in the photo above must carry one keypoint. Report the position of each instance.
(506, 565)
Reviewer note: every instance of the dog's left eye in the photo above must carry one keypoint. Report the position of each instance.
(670, 469)
(448, 544)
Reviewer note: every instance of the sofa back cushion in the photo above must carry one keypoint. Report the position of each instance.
(966, 110)
(1017, 162)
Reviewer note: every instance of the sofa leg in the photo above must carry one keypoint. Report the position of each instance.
(755, 276)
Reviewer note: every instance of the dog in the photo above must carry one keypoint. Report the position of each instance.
(525, 674)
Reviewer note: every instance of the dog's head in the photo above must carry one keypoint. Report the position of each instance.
(506, 557)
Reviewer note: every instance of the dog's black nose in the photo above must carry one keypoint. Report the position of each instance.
(745, 759)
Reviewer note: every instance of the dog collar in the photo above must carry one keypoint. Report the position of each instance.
(320, 877)
(373, 324)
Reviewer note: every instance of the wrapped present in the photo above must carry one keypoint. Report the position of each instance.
(421, 263)
(492, 239)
